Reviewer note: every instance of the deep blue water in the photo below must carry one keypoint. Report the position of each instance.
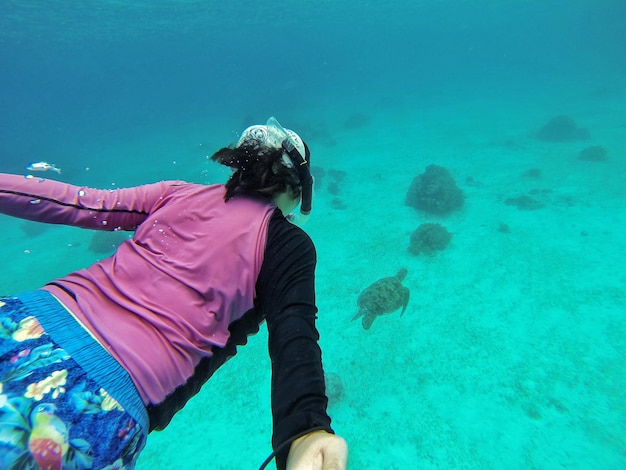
(81, 71)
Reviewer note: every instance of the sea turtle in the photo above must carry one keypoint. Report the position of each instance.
(384, 296)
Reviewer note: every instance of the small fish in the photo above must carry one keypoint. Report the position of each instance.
(43, 166)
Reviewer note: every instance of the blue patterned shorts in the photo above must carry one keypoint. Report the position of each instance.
(52, 414)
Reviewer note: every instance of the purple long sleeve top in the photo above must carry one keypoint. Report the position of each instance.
(168, 295)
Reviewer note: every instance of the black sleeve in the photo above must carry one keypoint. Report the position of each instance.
(286, 298)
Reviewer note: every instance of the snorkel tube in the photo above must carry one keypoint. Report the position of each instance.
(302, 163)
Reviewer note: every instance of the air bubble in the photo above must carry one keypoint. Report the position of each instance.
(81, 192)
(35, 201)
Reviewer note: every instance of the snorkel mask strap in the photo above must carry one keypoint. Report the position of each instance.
(300, 162)
(303, 165)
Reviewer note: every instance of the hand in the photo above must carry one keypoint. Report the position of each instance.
(318, 450)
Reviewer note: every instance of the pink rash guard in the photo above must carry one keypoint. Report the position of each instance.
(167, 295)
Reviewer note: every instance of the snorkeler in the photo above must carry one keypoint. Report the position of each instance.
(95, 360)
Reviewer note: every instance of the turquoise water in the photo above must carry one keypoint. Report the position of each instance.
(511, 352)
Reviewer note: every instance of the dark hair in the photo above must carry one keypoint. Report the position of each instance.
(257, 169)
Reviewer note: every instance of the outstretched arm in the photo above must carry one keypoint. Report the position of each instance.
(286, 292)
(53, 202)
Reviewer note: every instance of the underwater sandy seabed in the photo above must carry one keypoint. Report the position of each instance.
(511, 353)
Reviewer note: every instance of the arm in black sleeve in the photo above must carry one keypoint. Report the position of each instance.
(286, 295)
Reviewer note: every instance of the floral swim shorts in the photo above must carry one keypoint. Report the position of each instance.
(53, 415)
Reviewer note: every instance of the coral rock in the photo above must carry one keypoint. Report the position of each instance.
(334, 387)
(429, 238)
(562, 129)
(524, 203)
(595, 153)
(435, 191)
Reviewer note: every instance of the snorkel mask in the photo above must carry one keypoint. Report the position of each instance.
(295, 155)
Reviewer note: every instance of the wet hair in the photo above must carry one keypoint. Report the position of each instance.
(257, 169)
